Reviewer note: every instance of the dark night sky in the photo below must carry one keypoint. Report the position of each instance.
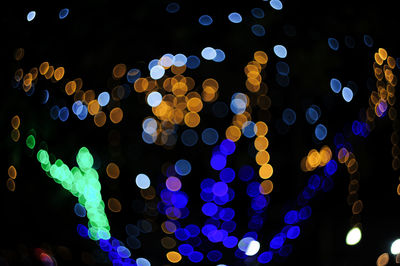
(90, 41)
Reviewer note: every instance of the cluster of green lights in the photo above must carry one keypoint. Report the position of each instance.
(83, 183)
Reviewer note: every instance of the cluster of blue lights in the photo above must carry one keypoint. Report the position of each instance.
(360, 128)
(291, 218)
(118, 254)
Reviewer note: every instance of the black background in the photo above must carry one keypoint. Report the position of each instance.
(90, 41)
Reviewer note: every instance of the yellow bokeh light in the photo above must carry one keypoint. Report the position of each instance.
(116, 115)
(262, 157)
(15, 122)
(233, 133)
(100, 119)
(174, 256)
(382, 53)
(261, 57)
(313, 158)
(93, 107)
(192, 119)
(59, 73)
(262, 128)
(266, 171)
(261, 143)
(43, 68)
(119, 71)
(70, 87)
(194, 104)
(114, 205)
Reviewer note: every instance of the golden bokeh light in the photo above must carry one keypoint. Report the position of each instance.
(116, 115)
(174, 256)
(114, 205)
(266, 171)
(233, 133)
(112, 170)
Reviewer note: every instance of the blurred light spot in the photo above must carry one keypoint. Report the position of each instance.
(218, 161)
(142, 262)
(133, 74)
(103, 98)
(265, 171)
(220, 189)
(333, 44)
(253, 248)
(12, 172)
(116, 115)
(214, 255)
(174, 256)
(63, 13)
(63, 114)
(10, 184)
(208, 53)
(353, 236)
(142, 181)
(291, 217)
(220, 56)
(44, 96)
(382, 260)
(230, 241)
(193, 62)
(79, 210)
(265, 257)
(150, 125)
(123, 252)
(154, 99)
(205, 20)
(209, 209)
(282, 68)
(280, 51)
(277, 241)
(368, 41)
(289, 116)
(276, 4)
(209, 136)
(395, 247)
(257, 12)
(320, 131)
(258, 30)
(180, 60)
(336, 86)
(15, 122)
(157, 72)
(235, 17)
(196, 256)
(183, 167)
(189, 137)
(293, 232)
(227, 175)
(31, 15)
(173, 183)
(114, 205)
(172, 7)
(249, 129)
(312, 114)
(112, 170)
(347, 94)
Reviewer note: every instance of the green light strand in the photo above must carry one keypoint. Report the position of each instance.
(83, 183)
